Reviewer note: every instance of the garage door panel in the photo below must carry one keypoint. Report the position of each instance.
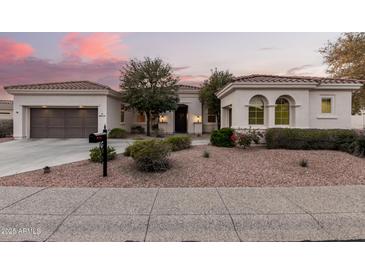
(76, 132)
(56, 132)
(37, 132)
(89, 130)
(56, 121)
(39, 121)
(73, 122)
(90, 122)
(63, 123)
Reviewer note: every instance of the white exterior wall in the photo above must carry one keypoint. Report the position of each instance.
(358, 121)
(341, 109)
(23, 103)
(305, 108)
(240, 99)
(113, 112)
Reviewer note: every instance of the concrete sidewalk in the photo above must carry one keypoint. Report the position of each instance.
(182, 214)
(26, 155)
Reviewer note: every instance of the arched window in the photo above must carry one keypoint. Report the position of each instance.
(256, 111)
(282, 111)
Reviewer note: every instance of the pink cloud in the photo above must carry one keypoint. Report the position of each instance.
(93, 46)
(192, 79)
(11, 50)
(35, 70)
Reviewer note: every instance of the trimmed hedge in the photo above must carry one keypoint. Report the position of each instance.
(96, 154)
(294, 138)
(6, 128)
(150, 155)
(117, 133)
(222, 137)
(179, 142)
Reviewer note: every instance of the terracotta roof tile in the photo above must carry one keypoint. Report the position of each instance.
(189, 86)
(254, 78)
(69, 85)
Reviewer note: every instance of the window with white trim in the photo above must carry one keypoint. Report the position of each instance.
(327, 104)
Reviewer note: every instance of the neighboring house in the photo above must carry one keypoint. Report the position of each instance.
(264, 101)
(6, 110)
(76, 109)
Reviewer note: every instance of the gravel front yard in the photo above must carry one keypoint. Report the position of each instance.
(225, 167)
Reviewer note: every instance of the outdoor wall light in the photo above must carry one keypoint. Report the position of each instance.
(198, 119)
(163, 119)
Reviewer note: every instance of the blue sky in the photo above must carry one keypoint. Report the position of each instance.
(45, 57)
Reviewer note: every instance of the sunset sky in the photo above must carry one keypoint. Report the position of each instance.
(47, 57)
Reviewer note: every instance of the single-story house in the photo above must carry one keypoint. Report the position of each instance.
(6, 110)
(76, 109)
(266, 101)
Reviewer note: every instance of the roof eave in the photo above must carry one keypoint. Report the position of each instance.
(63, 92)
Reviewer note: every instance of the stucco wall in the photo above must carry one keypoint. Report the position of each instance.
(23, 103)
(341, 116)
(113, 112)
(305, 108)
(358, 121)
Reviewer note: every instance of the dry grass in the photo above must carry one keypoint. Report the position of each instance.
(225, 167)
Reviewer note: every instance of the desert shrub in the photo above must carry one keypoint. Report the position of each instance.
(127, 151)
(222, 137)
(6, 128)
(117, 133)
(293, 138)
(96, 154)
(243, 139)
(206, 154)
(303, 163)
(179, 142)
(359, 146)
(137, 129)
(151, 155)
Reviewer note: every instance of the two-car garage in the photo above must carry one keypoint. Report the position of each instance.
(63, 122)
(72, 109)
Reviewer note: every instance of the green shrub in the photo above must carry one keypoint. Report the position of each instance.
(96, 154)
(117, 133)
(206, 154)
(6, 128)
(293, 138)
(127, 151)
(179, 142)
(359, 146)
(151, 155)
(137, 129)
(222, 137)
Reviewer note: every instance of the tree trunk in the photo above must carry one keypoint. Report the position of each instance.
(148, 114)
(218, 120)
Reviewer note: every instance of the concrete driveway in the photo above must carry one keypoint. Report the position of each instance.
(26, 155)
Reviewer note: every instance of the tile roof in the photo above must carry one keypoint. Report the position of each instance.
(6, 102)
(254, 78)
(69, 85)
(189, 86)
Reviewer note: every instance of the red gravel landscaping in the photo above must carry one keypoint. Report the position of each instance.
(231, 167)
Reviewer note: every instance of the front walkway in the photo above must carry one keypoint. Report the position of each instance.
(182, 214)
(26, 155)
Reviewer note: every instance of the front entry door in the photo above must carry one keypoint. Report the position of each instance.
(181, 119)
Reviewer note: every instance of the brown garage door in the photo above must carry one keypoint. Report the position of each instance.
(62, 122)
